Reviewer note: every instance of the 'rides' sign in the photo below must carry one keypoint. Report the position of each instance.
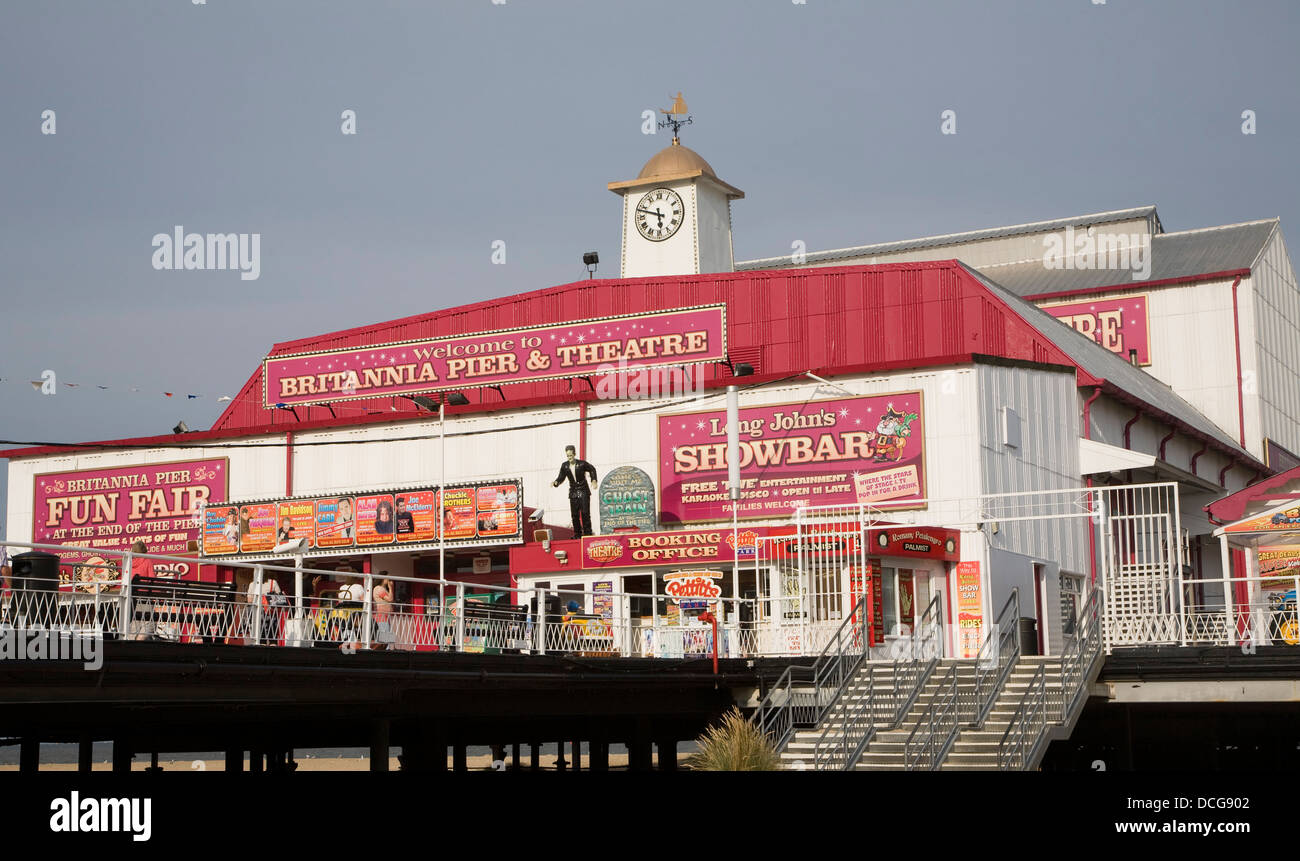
(1118, 324)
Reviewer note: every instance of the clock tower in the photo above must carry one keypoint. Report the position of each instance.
(676, 213)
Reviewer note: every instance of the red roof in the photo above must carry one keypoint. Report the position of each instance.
(1256, 497)
(835, 320)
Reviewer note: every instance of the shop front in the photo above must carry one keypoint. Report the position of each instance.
(773, 589)
(1262, 601)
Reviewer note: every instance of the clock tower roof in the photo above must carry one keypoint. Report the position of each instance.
(674, 160)
(671, 163)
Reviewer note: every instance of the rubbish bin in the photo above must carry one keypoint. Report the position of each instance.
(34, 600)
(1028, 636)
(36, 571)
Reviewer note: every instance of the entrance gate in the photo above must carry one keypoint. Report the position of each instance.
(1130, 535)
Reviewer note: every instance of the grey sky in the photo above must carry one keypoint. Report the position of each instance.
(479, 122)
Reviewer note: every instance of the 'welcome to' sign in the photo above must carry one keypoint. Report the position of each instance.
(550, 352)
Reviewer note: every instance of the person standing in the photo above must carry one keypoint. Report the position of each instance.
(576, 471)
(382, 600)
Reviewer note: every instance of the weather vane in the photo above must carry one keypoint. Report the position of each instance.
(673, 116)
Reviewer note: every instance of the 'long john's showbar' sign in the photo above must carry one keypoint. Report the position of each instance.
(556, 351)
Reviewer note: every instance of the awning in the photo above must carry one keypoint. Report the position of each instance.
(1277, 526)
(1097, 457)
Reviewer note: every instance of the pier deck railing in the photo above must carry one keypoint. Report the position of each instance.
(452, 615)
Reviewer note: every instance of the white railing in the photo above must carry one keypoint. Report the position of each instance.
(454, 616)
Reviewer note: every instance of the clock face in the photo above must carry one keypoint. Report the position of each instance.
(659, 213)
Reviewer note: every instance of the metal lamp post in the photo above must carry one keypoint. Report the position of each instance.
(456, 399)
(733, 483)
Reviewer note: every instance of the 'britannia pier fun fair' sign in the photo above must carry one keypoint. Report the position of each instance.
(582, 348)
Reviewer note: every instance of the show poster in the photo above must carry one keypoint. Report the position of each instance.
(417, 516)
(221, 529)
(868, 577)
(479, 512)
(596, 347)
(498, 510)
(458, 509)
(970, 609)
(602, 599)
(827, 452)
(376, 520)
(257, 525)
(336, 522)
(110, 509)
(295, 520)
(1117, 323)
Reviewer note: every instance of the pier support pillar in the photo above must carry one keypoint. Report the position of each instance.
(121, 756)
(29, 754)
(667, 754)
(85, 754)
(599, 760)
(379, 745)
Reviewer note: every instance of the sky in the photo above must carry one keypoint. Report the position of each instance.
(481, 122)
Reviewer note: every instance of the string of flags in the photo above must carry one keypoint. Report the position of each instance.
(40, 385)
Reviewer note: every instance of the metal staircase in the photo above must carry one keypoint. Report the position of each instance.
(997, 711)
(842, 701)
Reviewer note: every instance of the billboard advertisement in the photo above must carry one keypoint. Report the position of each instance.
(556, 351)
(970, 609)
(478, 513)
(110, 509)
(826, 452)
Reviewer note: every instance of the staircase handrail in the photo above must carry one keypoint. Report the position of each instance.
(941, 717)
(1080, 656)
(1027, 734)
(1027, 722)
(836, 665)
(912, 673)
(843, 740)
(996, 657)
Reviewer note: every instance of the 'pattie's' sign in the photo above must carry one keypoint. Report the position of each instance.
(693, 585)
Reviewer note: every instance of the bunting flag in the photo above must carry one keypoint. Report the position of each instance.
(38, 385)
(72, 387)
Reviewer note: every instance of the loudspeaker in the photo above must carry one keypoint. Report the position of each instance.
(36, 571)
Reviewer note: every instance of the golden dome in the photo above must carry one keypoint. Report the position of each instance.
(675, 160)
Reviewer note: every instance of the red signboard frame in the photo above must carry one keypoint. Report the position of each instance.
(500, 357)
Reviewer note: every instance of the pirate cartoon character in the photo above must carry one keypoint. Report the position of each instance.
(891, 435)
